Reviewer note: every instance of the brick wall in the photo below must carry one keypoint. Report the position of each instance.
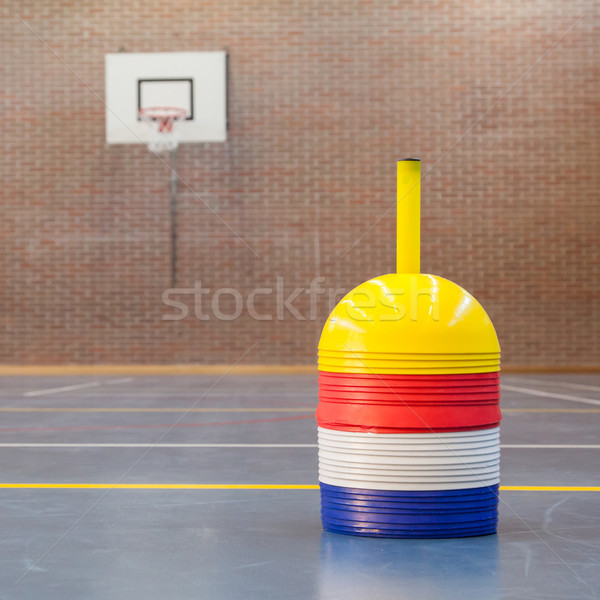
(499, 99)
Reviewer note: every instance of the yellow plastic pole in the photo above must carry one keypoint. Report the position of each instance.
(408, 232)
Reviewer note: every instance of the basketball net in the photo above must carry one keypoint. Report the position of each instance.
(163, 121)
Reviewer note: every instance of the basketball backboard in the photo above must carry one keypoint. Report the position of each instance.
(193, 81)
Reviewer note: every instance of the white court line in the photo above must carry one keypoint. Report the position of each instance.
(76, 386)
(64, 388)
(142, 445)
(568, 384)
(512, 388)
(110, 445)
(554, 446)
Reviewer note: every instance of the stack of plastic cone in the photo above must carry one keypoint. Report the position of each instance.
(409, 401)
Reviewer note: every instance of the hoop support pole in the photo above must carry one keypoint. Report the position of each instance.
(174, 179)
(408, 224)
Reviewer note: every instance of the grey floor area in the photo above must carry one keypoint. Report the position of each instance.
(241, 543)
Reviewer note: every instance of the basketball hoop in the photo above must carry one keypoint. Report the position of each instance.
(163, 120)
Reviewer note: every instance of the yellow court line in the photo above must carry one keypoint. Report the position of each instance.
(15, 409)
(243, 486)
(190, 369)
(197, 369)
(547, 488)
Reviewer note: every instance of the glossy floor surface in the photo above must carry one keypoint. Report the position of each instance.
(205, 487)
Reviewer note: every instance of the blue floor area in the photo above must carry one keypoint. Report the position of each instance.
(240, 543)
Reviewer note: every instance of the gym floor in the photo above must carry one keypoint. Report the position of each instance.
(179, 487)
